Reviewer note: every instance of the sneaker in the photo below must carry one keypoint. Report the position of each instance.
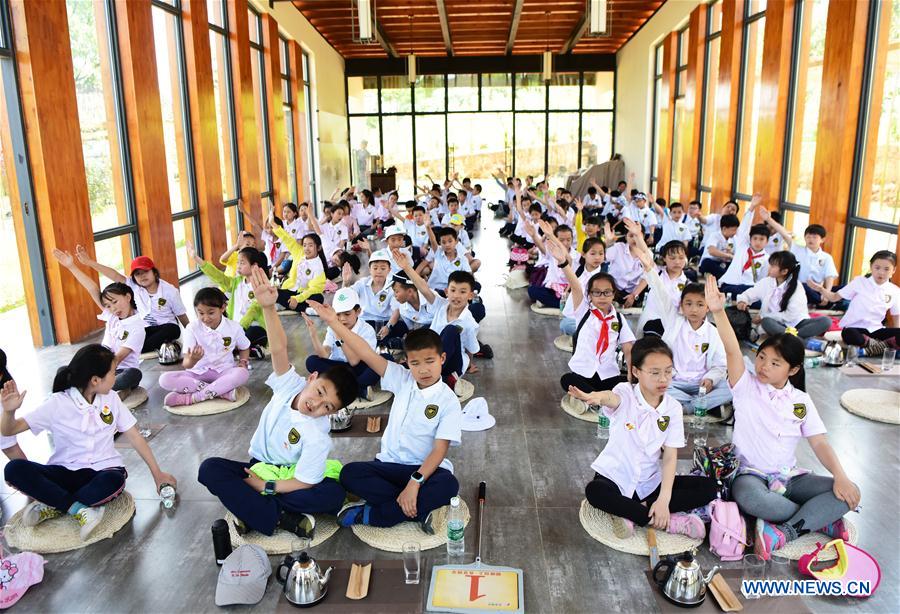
(36, 512)
(89, 518)
(257, 352)
(241, 527)
(356, 512)
(874, 347)
(300, 524)
(176, 399)
(485, 352)
(427, 525)
(690, 525)
(622, 527)
(768, 539)
(231, 395)
(836, 530)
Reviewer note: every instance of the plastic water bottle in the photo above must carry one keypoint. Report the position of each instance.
(700, 405)
(816, 345)
(812, 363)
(602, 425)
(456, 529)
(167, 492)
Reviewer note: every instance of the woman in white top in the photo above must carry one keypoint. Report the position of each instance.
(783, 300)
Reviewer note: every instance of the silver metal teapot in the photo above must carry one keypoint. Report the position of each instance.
(169, 353)
(680, 581)
(340, 420)
(833, 354)
(304, 583)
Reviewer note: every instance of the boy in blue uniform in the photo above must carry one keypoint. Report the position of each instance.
(290, 446)
(411, 476)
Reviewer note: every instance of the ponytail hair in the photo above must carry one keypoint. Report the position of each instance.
(787, 261)
(119, 289)
(92, 360)
(792, 350)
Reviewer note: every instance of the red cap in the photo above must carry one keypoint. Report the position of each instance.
(142, 263)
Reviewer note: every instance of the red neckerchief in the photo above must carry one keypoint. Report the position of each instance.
(603, 338)
(750, 258)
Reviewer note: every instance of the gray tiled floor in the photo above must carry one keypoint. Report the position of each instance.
(536, 462)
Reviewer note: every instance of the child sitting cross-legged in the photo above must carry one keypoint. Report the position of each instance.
(411, 476)
(210, 342)
(593, 260)
(672, 282)
(290, 446)
(751, 261)
(635, 477)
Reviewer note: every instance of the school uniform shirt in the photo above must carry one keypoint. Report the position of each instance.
(592, 203)
(476, 202)
(868, 303)
(442, 266)
(694, 226)
(717, 241)
(418, 233)
(307, 269)
(297, 229)
(394, 266)
(332, 237)
(218, 344)
(626, 269)
(127, 333)
(672, 291)
(374, 305)
(555, 279)
(464, 240)
(769, 292)
(520, 227)
(637, 434)
(82, 432)
(285, 436)
(711, 227)
(364, 214)
(242, 297)
(592, 354)
(768, 423)
(7, 442)
(583, 279)
(468, 334)
(361, 328)
(418, 417)
(776, 243)
(162, 307)
(674, 231)
(817, 266)
(412, 317)
(467, 208)
(646, 216)
(271, 246)
(748, 265)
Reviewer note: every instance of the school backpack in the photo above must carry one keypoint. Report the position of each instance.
(518, 256)
(740, 322)
(727, 530)
(719, 463)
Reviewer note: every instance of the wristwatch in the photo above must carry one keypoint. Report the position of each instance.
(417, 477)
(270, 488)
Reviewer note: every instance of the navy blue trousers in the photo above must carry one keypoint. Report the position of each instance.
(381, 483)
(714, 267)
(365, 376)
(225, 479)
(451, 344)
(545, 295)
(60, 487)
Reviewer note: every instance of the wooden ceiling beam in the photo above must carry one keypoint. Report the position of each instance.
(384, 41)
(514, 26)
(445, 26)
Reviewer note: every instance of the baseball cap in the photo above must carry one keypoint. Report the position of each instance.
(379, 255)
(142, 263)
(476, 416)
(457, 219)
(401, 277)
(243, 577)
(640, 195)
(345, 299)
(394, 230)
(24, 570)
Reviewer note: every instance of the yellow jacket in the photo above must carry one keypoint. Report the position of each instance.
(316, 285)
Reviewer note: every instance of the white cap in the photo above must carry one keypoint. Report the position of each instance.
(476, 416)
(345, 299)
(396, 229)
(243, 577)
(380, 255)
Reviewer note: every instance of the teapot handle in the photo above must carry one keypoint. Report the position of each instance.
(284, 568)
(667, 565)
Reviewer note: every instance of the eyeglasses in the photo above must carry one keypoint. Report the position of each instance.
(660, 375)
(604, 293)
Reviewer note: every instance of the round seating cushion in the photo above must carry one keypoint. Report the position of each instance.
(378, 397)
(213, 406)
(283, 542)
(516, 279)
(464, 390)
(564, 343)
(873, 403)
(599, 525)
(546, 311)
(574, 407)
(392, 539)
(138, 396)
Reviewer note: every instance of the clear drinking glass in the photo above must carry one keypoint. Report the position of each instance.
(754, 570)
(852, 355)
(887, 359)
(412, 558)
(701, 432)
(781, 567)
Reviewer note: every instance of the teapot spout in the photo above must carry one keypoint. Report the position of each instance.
(323, 581)
(711, 574)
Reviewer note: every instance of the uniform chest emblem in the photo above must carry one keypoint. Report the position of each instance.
(293, 436)
(800, 410)
(431, 411)
(775, 240)
(251, 295)
(680, 287)
(756, 265)
(226, 341)
(887, 298)
(663, 423)
(456, 262)
(681, 229)
(308, 272)
(161, 302)
(106, 415)
(381, 298)
(124, 335)
(629, 426)
(615, 326)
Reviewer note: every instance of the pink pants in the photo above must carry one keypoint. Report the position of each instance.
(207, 385)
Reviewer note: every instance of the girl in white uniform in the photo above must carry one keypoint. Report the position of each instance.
(771, 414)
(672, 282)
(635, 477)
(210, 342)
(83, 415)
(593, 258)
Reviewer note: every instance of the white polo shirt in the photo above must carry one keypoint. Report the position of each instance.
(162, 307)
(468, 334)
(569, 306)
(242, 298)
(756, 270)
(297, 229)
(361, 328)
(671, 288)
(412, 317)
(717, 241)
(769, 292)
(585, 361)
(417, 233)
(674, 231)
(218, 344)
(817, 266)
(418, 417)
(364, 214)
(442, 266)
(637, 435)
(626, 269)
(128, 333)
(374, 305)
(869, 303)
(645, 215)
(307, 269)
(284, 436)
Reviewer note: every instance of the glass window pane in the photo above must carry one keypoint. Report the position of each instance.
(806, 110)
(431, 148)
(312, 140)
(564, 91)
(677, 135)
(89, 39)
(231, 225)
(749, 121)
(462, 92)
(756, 6)
(865, 243)
(562, 147)
(709, 112)
(796, 222)
(364, 138)
(658, 61)
(496, 92)
(284, 67)
(430, 93)
(253, 21)
(598, 90)
(397, 146)
(396, 94)
(291, 154)
(305, 67)
(715, 19)
(531, 136)
(215, 10)
(658, 105)
(12, 292)
(174, 110)
(683, 47)
(479, 143)
(596, 138)
(362, 94)
(115, 253)
(257, 66)
(224, 113)
(184, 231)
(530, 92)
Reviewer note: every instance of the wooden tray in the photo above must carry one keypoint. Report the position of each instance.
(358, 426)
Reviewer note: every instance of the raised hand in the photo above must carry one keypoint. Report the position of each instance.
(10, 397)
(346, 273)
(325, 312)
(64, 258)
(401, 259)
(756, 201)
(557, 250)
(191, 252)
(193, 355)
(310, 325)
(264, 292)
(82, 255)
(715, 300)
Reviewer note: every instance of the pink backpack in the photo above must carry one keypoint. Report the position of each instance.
(727, 530)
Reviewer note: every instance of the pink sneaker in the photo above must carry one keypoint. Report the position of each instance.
(174, 399)
(690, 525)
(231, 395)
(768, 539)
(622, 527)
(836, 530)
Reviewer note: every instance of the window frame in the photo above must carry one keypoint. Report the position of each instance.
(748, 21)
(658, 52)
(224, 31)
(701, 155)
(311, 128)
(288, 105)
(259, 49)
